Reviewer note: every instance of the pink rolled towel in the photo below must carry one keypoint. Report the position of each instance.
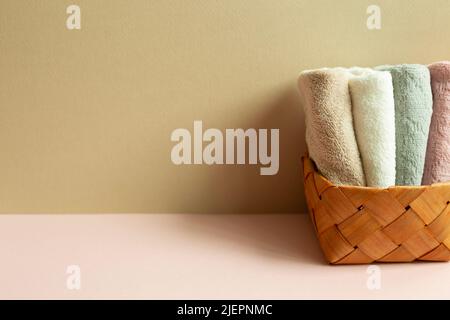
(437, 162)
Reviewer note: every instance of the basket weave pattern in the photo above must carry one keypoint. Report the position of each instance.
(357, 225)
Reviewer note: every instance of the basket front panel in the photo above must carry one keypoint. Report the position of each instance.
(362, 225)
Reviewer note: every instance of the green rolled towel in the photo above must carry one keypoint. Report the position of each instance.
(413, 110)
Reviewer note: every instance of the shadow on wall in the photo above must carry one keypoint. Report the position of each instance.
(273, 236)
(285, 236)
(243, 189)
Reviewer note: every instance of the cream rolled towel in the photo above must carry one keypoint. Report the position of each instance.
(413, 109)
(437, 162)
(330, 136)
(374, 122)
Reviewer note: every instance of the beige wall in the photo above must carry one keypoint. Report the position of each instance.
(86, 116)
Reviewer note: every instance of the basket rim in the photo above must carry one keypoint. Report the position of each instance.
(306, 157)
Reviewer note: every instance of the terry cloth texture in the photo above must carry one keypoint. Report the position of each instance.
(413, 109)
(374, 121)
(437, 163)
(330, 136)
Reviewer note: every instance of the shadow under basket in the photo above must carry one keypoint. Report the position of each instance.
(359, 225)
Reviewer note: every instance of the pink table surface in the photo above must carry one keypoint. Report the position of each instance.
(190, 256)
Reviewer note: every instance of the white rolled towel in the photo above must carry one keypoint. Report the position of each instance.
(373, 110)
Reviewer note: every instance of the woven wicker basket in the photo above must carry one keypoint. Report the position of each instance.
(358, 225)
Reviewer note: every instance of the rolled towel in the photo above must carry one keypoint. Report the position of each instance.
(413, 109)
(374, 121)
(330, 136)
(437, 162)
